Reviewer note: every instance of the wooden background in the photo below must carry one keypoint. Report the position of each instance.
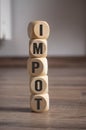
(67, 90)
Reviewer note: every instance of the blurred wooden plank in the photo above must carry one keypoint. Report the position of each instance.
(52, 61)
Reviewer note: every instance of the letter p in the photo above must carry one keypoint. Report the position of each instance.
(35, 65)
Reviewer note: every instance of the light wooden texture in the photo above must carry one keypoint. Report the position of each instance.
(39, 84)
(37, 66)
(38, 48)
(67, 92)
(38, 30)
(39, 102)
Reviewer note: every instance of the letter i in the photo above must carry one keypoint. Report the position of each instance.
(37, 64)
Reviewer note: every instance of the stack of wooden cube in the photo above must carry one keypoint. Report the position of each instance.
(37, 64)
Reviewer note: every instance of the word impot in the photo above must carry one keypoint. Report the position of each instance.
(37, 64)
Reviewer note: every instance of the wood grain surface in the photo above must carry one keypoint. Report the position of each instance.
(67, 90)
(52, 61)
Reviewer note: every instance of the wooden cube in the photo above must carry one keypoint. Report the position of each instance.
(37, 66)
(40, 102)
(39, 84)
(38, 29)
(38, 48)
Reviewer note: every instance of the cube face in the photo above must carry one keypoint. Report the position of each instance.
(38, 48)
(37, 66)
(38, 30)
(40, 102)
(39, 85)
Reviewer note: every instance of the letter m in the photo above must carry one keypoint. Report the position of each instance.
(37, 49)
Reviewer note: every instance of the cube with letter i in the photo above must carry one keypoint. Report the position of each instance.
(37, 65)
